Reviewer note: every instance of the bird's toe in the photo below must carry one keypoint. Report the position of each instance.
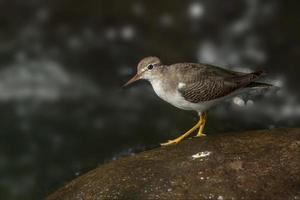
(200, 135)
(170, 142)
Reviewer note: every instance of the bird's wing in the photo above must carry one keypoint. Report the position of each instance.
(206, 82)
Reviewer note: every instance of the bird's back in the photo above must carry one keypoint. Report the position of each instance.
(193, 70)
(202, 82)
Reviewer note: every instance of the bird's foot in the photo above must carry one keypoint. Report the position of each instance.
(200, 135)
(171, 142)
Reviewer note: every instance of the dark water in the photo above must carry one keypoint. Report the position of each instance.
(62, 64)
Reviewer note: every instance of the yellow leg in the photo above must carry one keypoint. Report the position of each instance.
(202, 124)
(175, 141)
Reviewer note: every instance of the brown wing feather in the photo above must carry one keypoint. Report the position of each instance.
(206, 89)
(206, 82)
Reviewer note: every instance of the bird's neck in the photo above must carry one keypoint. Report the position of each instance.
(159, 88)
(163, 82)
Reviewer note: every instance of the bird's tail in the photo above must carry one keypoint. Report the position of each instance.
(247, 79)
(259, 73)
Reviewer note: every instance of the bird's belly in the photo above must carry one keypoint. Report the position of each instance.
(177, 100)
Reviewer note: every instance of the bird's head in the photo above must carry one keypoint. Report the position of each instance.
(145, 69)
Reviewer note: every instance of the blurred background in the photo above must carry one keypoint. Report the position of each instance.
(63, 62)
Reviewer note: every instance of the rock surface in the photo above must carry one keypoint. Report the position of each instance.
(250, 165)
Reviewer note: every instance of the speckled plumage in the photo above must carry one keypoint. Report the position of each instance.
(194, 86)
(206, 82)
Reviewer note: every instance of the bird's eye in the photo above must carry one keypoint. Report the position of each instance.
(150, 66)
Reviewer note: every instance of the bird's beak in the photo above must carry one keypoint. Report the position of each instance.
(133, 79)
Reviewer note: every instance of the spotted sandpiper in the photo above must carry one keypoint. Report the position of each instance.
(194, 86)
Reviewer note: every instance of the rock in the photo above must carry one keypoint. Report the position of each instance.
(252, 165)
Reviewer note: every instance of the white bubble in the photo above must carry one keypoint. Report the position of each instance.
(110, 34)
(125, 70)
(74, 42)
(271, 126)
(287, 110)
(279, 82)
(207, 52)
(250, 103)
(166, 20)
(196, 10)
(138, 9)
(42, 14)
(127, 32)
(42, 80)
(238, 101)
(20, 56)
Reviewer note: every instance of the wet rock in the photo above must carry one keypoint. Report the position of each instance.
(261, 164)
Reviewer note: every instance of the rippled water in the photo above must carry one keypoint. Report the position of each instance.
(63, 110)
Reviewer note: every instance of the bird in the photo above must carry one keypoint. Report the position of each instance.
(194, 86)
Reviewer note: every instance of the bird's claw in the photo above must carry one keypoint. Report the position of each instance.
(170, 142)
(200, 135)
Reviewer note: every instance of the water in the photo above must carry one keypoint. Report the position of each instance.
(63, 111)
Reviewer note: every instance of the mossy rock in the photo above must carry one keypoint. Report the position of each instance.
(262, 164)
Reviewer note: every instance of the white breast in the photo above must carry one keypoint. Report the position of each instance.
(175, 98)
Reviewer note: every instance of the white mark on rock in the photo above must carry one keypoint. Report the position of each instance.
(202, 154)
(220, 198)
